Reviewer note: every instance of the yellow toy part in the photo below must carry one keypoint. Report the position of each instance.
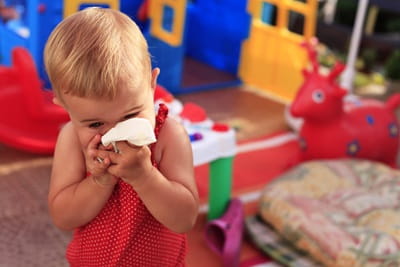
(271, 58)
(156, 14)
(72, 6)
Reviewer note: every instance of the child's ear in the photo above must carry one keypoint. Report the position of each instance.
(154, 75)
(57, 102)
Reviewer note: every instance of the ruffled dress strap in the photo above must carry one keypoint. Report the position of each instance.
(161, 116)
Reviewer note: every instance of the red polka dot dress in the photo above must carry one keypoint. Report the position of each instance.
(124, 233)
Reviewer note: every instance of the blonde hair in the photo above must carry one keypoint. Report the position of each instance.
(93, 52)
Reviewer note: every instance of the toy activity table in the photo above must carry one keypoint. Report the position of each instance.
(215, 145)
(212, 143)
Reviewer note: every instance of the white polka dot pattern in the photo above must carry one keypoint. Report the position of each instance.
(126, 234)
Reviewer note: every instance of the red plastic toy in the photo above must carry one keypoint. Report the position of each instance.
(161, 93)
(28, 118)
(331, 130)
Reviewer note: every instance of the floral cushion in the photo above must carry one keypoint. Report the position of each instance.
(342, 212)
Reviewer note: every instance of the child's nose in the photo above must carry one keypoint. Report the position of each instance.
(104, 130)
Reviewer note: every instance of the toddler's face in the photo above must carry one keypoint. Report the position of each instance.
(93, 116)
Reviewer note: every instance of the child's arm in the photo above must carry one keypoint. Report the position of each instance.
(169, 194)
(75, 199)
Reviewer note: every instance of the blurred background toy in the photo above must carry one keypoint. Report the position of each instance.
(224, 235)
(28, 118)
(330, 130)
(7, 13)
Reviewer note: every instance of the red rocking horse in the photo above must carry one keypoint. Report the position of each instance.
(334, 130)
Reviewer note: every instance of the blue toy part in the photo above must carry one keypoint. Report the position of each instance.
(131, 8)
(215, 34)
(13, 33)
(267, 13)
(233, 5)
(31, 30)
(195, 137)
(168, 58)
(170, 61)
(7, 46)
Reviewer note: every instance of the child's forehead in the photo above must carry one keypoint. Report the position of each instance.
(136, 79)
(99, 109)
(110, 91)
(126, 97)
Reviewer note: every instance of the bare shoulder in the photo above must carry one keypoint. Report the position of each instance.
(172, 129)
(173, 140)
(67, 136)
(66, 129)
(67, 149)
(68, 161)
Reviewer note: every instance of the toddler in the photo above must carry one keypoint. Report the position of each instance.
(129, 207)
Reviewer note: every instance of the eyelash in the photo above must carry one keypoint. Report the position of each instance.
(132, 115)
(95, 125)
(99, 124)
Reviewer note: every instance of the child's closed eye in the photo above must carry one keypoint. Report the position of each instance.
(96, 124)
(131, 115)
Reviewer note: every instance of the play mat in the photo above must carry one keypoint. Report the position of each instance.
(335, 212)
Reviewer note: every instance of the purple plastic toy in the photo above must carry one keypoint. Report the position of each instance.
(224, 235)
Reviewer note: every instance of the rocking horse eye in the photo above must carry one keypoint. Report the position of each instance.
(318, 96)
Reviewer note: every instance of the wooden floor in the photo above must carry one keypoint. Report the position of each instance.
(8, 155)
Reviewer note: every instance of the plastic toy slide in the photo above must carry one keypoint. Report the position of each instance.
(28, 118)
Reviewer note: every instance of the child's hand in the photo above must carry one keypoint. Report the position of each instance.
(131, 163)
(97, 162)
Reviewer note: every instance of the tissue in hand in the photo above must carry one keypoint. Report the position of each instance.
(137, 131)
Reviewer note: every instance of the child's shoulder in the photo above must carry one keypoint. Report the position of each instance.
(172, 129)
(66, 130)
(67, 135)
(173, 138)
(173, 143)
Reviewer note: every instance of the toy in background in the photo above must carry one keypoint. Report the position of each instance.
(184, 28)
(272, 51)
(216, 30)
(364, 129)
(224, 235)
(7, 13)
(28, 118)
(30, 30)
(165, 37)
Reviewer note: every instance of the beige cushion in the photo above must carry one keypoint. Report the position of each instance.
(342, 212)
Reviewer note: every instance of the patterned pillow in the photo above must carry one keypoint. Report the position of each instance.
(342, 212)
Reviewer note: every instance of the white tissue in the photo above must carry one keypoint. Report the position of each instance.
(137, 131)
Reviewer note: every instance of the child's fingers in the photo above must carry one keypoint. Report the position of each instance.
(103, 162)
(94, 143)
(94, 153)
(125, 146)
(100, 166)
(109, 147)
(114, 157)
(122, 146)
(102, 156)
(115, 170)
